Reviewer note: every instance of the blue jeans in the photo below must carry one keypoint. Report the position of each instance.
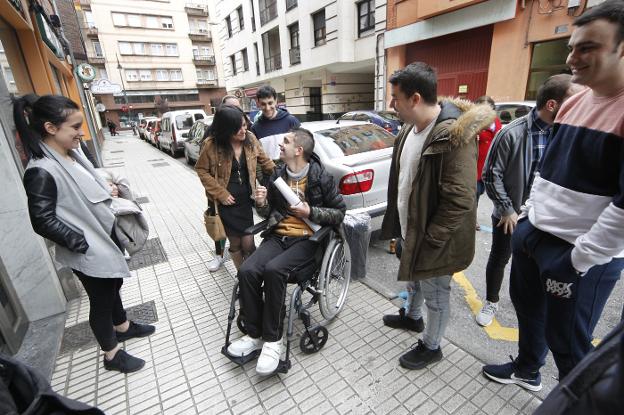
(435, 293)
(557, 309)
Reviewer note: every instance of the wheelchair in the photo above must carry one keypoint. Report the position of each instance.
(325, 277)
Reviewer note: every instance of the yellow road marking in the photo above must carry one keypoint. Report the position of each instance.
(494, 330)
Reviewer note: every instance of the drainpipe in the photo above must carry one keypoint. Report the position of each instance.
(83, 97)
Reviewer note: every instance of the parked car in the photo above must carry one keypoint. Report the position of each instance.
(358, 155)
(194, 140)
(143, 133)
(173, 125)
(509, 111)
(387, 120)
(153, 130)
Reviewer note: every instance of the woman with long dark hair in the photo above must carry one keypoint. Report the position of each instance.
(227, 169)
(69, 204)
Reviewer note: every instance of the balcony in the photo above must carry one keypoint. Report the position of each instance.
(273, 63)
(200, 60)
(91, 31)
(268, 13)
(95, 60)
(196, 9)
(206, 82)
(201, 35)
(295, 56)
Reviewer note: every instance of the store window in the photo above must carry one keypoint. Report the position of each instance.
(548, 58)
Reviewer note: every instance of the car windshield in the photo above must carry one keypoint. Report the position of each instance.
(355, 139)
(389, 115)
(184, 122)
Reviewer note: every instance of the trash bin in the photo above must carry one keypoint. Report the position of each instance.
(357, 232)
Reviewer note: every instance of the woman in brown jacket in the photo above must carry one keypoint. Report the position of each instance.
(227, 169)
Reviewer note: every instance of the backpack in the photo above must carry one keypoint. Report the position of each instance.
(595, 385)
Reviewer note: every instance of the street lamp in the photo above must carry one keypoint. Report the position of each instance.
(123, 86)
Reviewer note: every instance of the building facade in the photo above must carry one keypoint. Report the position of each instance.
(33, 289)
(502, 48)
(160, 52)
(321, 57)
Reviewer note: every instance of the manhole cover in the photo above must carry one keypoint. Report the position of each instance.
(80, 336)
(151, 254)
(141, 200)
(160, 164)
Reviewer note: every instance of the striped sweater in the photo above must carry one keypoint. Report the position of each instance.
(578, 195)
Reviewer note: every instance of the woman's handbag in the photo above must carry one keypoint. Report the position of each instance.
(213, 223)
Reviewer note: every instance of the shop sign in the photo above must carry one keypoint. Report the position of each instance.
(104, 86)
(85, 72)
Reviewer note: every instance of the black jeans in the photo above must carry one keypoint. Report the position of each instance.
(556, 308)
(105, 308)
(499, 256)
(272, 263)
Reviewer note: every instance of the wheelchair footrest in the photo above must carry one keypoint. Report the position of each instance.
(241, 360)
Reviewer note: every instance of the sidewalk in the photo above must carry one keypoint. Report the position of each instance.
(357, 371)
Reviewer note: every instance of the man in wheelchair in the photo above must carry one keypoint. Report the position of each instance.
(286, 246)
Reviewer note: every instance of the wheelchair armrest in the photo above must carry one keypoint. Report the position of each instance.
(321, 234)
(258, 227)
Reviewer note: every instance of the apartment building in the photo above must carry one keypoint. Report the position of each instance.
(161, 52)
(502, 48)
(323, 57)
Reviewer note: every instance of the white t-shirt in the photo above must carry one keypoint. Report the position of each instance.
(409, 158)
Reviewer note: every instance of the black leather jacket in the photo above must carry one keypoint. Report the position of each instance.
(42, 196)
(327, 207)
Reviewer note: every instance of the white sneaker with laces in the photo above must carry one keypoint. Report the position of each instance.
(486, 315)
(244, 346)
(215, 264)
(269, 358)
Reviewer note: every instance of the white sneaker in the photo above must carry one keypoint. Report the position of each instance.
(486, 315)
(215, 264)
(269, 358)
(244, 346)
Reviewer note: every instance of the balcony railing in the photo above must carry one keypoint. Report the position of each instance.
(295, 56)
(291, 4)
(273, 63)
(203, 60)
(196, 9)
(95, 59)
(269, 13)
(201, 35)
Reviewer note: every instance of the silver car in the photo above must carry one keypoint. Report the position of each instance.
(358, 155)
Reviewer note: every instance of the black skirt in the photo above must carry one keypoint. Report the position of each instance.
(238, 217)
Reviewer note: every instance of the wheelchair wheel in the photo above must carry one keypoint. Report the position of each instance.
(314, 340)
(334, 278)
(241, 324)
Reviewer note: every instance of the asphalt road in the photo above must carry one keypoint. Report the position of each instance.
(463, 330)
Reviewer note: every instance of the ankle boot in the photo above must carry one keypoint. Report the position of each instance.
(237, 258)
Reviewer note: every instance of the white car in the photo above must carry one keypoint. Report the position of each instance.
(509, 111)
(358, 155)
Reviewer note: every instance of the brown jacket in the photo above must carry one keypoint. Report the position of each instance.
(214, 167)
(440, 237)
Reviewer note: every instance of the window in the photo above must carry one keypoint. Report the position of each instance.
(156, 49)
(162, 75)
(318, 20)
(175, 74)
(268, 11)
(145, 75)
(241, 20)
(366, 17)
(295, 52)
(166, 22)
(134, 20)
(97, 48)
(125, 48)
(291, 4)
(138, 48)
(151, 22)
(119, 19)
(228, 24)
(132, 75)
(89, 18)
(172, 49)
(253, 16)
(233, 64)
(245, 60)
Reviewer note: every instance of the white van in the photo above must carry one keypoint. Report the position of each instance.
(175, 123)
